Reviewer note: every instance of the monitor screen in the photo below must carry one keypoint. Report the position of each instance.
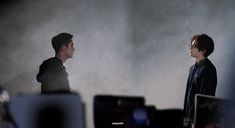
(209, 112)
(44, 111)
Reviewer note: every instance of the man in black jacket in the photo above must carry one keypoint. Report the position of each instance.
(52, 73)
(202, 77)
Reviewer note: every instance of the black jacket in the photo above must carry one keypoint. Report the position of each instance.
(202, 80)
(53, 76)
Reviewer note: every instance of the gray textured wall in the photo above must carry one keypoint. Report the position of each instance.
(124, 47)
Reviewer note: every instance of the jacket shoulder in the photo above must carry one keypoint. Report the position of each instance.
(49, 65)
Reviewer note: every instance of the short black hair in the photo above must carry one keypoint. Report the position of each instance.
(61, 39)
(204, 43)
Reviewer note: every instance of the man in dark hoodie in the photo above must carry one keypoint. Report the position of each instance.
(202, 77)
(52, 73)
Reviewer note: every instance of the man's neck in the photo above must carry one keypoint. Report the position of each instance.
(198, 59)
(62, 57)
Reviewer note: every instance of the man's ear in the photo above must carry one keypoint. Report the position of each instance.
(203, 52)
(63, 47)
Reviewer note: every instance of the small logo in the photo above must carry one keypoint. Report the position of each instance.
(117, 123)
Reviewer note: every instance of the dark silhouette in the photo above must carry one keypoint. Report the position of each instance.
(51, 117)
(52, 73)
(202, 77)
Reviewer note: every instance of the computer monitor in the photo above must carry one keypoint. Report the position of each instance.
(118, 111)
(47, 111)
(209, 112)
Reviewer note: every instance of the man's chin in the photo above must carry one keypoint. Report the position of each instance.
(70, 56)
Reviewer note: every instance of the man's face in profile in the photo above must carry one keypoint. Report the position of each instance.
(69, 50)
(194, 51)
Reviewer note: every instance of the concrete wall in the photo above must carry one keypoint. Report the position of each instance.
(124, 47)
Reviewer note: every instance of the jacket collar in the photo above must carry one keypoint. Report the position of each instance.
(202, 62)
